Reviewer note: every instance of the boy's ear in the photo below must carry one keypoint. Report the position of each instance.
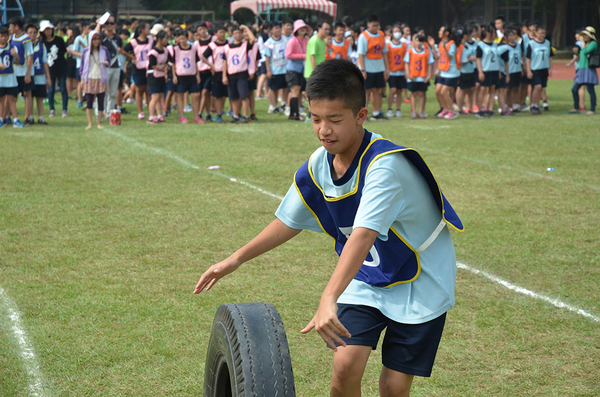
(362, 115)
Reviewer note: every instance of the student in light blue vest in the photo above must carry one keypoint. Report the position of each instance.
(465, 96)
(9, 86)
(390, 222)
(539, 67)
(510, 54)
(488, 67)
(528, 34)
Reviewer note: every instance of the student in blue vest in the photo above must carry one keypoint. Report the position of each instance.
(488, 66)
(390, 222)
(22, 43)
(9, 86)
(40, 72)
(539, 67)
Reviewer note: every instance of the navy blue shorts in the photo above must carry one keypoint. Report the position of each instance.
(277, 82)
(238, 89)
(449, 82)
(540, 77)
(262, 69)
(140, 80)
(25, 87)
(40, 91)
(515, 80)
(407, 348)
(374, 80)
(415, 86)
(294, 79)
(205, 80)
(491, 79)
(252, 84)
(156, 85)
(12, 91)
(121, 79)
(187, 84)
(397, 82)
(501, 81)
(467, 81)
(219, 90)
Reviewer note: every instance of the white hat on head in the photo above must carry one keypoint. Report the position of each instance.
(156, 28)
(45, 24)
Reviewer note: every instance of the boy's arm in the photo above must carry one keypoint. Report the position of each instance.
(275, 234)
(326, 321)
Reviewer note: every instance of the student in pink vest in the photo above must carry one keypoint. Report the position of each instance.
(137, 50)
(235, 72)
(204, 39)
(213, 57)
(253, 57)
(186, 76)
(158, 66)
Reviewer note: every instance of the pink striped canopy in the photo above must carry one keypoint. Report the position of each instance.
(325, 6)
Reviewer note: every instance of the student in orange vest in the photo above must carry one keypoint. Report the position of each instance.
(340, 47)
(419, 69)
(373, 62)
(449, 72)
(397, 80)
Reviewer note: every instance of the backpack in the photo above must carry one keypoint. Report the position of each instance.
(594, 60)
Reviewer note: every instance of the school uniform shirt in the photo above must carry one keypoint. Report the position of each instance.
(8, 79)
(56, 50)
(447, 61)
(79, 45)
(539, 54)
(25, 48)
(156, 58)
(395, 195)
(396, 54)
(244, 73)
(419, 63)
(511, 55)
(185, 60)
(374, 53)
(40, 58)
(488, 53)
(112, 44)
(275, 50)
(470, 50)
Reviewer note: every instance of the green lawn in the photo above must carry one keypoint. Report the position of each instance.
(104, 234)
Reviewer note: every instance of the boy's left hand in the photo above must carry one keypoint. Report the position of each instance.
(327, 324)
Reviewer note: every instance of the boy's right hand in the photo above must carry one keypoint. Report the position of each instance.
(214, 273)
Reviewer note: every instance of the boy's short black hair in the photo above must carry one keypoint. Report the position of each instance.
(3, 30)
(501, 18)
(180, 32)
(31, 25)
(540, 27)
(18, 21)
(275, 24)
(124, 31)
(161, 35)
(373, 18)
(287, 20)
(338, 79)
(339, 25)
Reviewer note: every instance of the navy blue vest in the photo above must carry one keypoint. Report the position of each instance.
(38, 60)
(19, 44)
(389, 262)
(7, 59)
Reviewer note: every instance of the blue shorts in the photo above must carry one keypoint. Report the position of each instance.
(25, 87)
(407, 348)
(205, 80)
(449, 81)
(397, 82)
(12, 91)
(187, 84)
(540, 77)
(40, 91)
(156, 85)
(491, 79)
(374, 80)
(140, 80)
(219, 90)
(515, 80)
(252, 84)
(417, 86)
(277, 82)
(467, 81)
(501, 81)
(238, 89)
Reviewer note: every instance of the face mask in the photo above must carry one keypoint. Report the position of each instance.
(397, 35)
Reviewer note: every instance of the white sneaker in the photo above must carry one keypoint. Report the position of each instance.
(287, 111)
(390, 113)
(130, 101)
(398, 113)
(141, 116)
(456, 108)
(271, 109)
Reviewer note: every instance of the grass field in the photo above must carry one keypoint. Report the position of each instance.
(104, 234)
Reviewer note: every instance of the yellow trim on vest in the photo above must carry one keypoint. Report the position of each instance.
(310, 209)
(416, 255)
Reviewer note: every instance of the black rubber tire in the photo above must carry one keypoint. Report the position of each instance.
(248, 353)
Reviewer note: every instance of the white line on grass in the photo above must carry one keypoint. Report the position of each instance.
(487, 275)
(30, 361)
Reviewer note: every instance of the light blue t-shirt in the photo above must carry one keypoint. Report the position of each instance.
(453, 71)
(21, 70)
(275, 50)
(79, 45)
(371, 65)
(394, 195)
(407, 60)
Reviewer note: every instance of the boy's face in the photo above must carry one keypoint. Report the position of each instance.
(499, 24)
(3, 39)
(201, 31)
(512, 36)
(406, 32)
(339, 33)
(540, 34)
(32, 33)
(276, 31)
(237, 35)
(221, 34)
(287, 29)
(337, 127)
(181, 40)
(124, 36)
(374, 27)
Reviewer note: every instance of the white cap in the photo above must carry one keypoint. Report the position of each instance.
(156, 28)
(45, 24)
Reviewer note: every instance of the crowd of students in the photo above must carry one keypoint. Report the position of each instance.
(197, 68)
